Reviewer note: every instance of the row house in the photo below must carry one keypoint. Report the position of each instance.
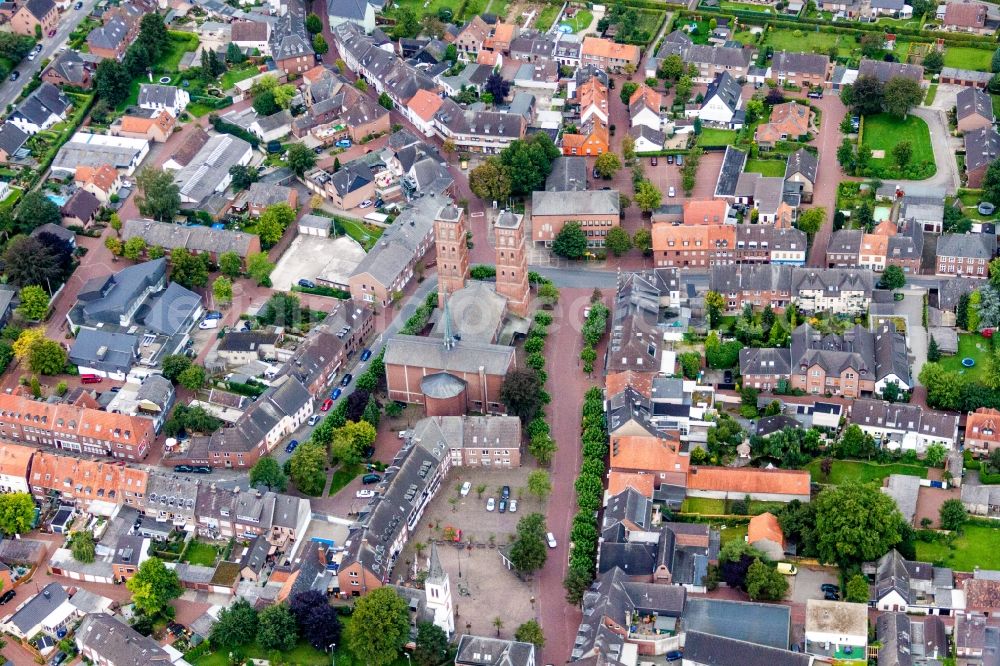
(644, 107)
(800, 174)
(69, 68)
(800, 69)
(876, 251)
(966, 254)
(73, 427)
(531, 46)
(883, 71)
(710, 61)
(471, 39)
(699, 246)
(768, 196)
(982, 148)
(982, 431)
(757, 285)
(973, 109)
(852, 364)
(90, 485)
(833, 289)
(15, 463)
(592, 96)
(474, 441)
(248, 514)
(290, 42)
(35, 17)
(762, 243)
(592, 138)
(478, 131)
(902, 426)
(609, 55)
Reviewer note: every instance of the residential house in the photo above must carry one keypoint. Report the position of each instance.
(708, 650)
(906, 586)
(476, 650)
(358, 12)
(261, 195)
(80, 209)
(163, 98)
(243, 347)
(982, 593)
(757, 285)
(148, 124)
(35, 17)
(903, 426)
(691, 246)
(608, 55)
(103, 182)
(722, 104)
(70, 69)
(708, 211)
(836, 628)
(252, 35)
(569, 174)
(15, 463)
(970, 635)
(476, 441)
(915, 640)
(762, 243)
(193, 142)
(771, 485)
(635, 312)
(733, 162)
(965, 254)
(970, 16)
(104, 353)
(41, 109)
(883, 71)
(472, 37)
(153, 398)
(107, 641)
(710, 60)
(790, 121)
(48, 611)
(94, 151)
(764, 533)
(800, 69)
(346, 188)
(644, 107)
(647, 140)
(833, 289)
(592, 96)
(291, 45)
(973, 109)
(422, 108)
(12, 142)
(591, 138)
(766, 195)
(596, 211)
(982, 147)
(207, 173)
(982, 431)
(478, 131)
(110, 40)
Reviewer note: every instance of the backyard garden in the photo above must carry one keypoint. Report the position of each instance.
(975, 546)
(883, 132)
(970, 345)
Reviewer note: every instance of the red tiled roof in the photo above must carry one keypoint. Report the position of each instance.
(744, 481)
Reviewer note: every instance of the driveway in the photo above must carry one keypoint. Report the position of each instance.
(945, 146)
(912, 307)
(806, 584)
(829, 174)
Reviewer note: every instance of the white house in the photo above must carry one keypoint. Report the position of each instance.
(647, 139)
(722, 103)
(272, 127)
(171, 99)
(48, 611)
(14, 463)
(40, 110)
(358, 12)
(836, 627)
(904, 426)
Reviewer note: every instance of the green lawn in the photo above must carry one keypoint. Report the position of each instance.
(198, 109)
(965, 57)
(201, 553)
(853, 470)
(237, 74)
(366, 234)
(931, 94)
(342, 477)
(766, 167)
(978, 546)
(303, 655)
(580, 22)
(545, 18)
(180, 43)
(972, 346)
(817, 42)
(716, 137)
(704, 505)
(883, 132)
(732, 533)
(745, 7)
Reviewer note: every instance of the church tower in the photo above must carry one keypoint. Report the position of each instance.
(512, 262)
(452, 251)
(438, 592)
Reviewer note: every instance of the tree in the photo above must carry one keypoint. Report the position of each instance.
(857, 590)
(520, 393)
(577, 581)
(349, 442)
(268, 472)
(933, 62)
(385, 101)
(530, 632)
(277, 629)
(17, 513)
(811, 220)
(529, 552)
(153, 587)
(542, 447)
(647, 197)
(991, 182)
(671, 68)
(715, 304)
(900, 95)
(243, 176)
(570, 242)
(893, 278)
(431, 645)
(529, 162)
(735, 559)
(902, 153)
(872, 45)
(188, 270)
(314, 24)
(82, 546)
(307, 468)
(112, 81)
(35, 210)
(273, 222)
(318, 621)
(407, 24)
(114, 245)
(995, 62)
(174, 365)
(300, 158)
(237, 626)
(642, 239)
(539, 484)
(379, 627)
(497, 86)
(265, 103)
(491, 180)
(34, 303)
(855, 523)
(953, 514)
(134, 248)
(617, 240)
(281, 310)
(222, 289)
(159, 197)
(193, 378)
(607, 165)
(47, 357)
(626, 91)
(763, 582)
(259, 268)
(319, 44)
(866, 95)
(234, 54)
(933, 351)
(26, 340)
(44, 260)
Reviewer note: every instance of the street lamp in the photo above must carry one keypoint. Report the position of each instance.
(333, 654)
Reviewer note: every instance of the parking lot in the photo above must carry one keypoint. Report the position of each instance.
(806, 584)
(306, 257)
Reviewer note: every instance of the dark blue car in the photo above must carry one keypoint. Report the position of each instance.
(366, 354)
(336, 393)
(291, 446)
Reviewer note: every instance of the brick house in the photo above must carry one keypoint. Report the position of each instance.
(69, 69)
(156, 126)
(35, 17)
(592, 96)
(608, 55)
(800, 69)
(80, 482)
(475, 441)
(757, 285)
(982, 431)
(982, 147)
(597, 211)
(973, 109)
(965, 254)
(833, 289)
(592, 138)
(472, 38)
(693, 246)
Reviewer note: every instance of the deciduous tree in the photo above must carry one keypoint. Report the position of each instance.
(318, 621)
(308, 468)
(529, 552)
(259, 268)
(570, 242)
(34, 303)
(268, 472)
(153, 587)
(47, 357)
(158, 196)
(520, 393)
(379, 627)
(82, 546)
(539, 483)
(300, 158)
(765, 583)
(855, 523)
(17, 513)
(953, 514)
(607, 165)
(617, 240)
(491, 181)
(277, 628)
(811, 220)
(237, 625)
(900, 95)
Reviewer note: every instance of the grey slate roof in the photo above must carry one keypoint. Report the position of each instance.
(196, 239)
(60, 232)
(171, 309)
(768, 425)
(802, 162)
(39, 607)
(569, 174)
(726, 88)
(353, 176)
(289, 38)
(118, 643)
(157, 95)
(111, 352)
(486, 651)
(110, 35)
(39, 8)
(973, 102)
(982, 146)
(712, 650)
(584, 202)
(11, 138)
(157, 389)
(70, 66)
(732, 278)
(348, 9)
(845, 241)
(975, 246)
(82, 205)
(256, 555)
(883, 71)
(800, 63)
(729, 175)
(652, 135)
(106, 298)
(904, 417)
(762, 624)
(46, 100)
(771, 237)
(832, 280)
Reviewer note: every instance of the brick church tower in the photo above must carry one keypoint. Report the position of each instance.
(452, 251)
(512, 262)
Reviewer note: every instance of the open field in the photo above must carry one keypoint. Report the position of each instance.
(978, 546)
(854, 470)
(965, 57)
(817, 42)
(972, 346)
(745, 7)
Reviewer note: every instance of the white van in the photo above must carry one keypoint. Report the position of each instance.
(207, 324)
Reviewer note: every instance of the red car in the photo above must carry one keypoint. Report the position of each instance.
(327, 404)
(52, 33)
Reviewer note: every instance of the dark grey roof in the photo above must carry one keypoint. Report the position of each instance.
(712, 650)
(975, 246)
(39, 8)
(105, 299)
(890, 354)
(883, 71)
(111, 35)
(157, 95)
(581, 202)
(353, 176)
(70, 66)
(991, 647)
(39, 607)
(800, 63)
(156, 389)
(950, 291)
(45, 101)
(765, 361)
(804, 162)
(469, 122)
(569, 174)
(485, 651)
(60, 232)
(732, 278)
(256, 555)
(729, 175)
(982, 146)
(904, 417)
(892, 5)
(171, 309)
(770, 237)
(464, 356)
(196, 239)
(399, 243)
(634, 315)
(199, 179)
(82, 205)
(11, 138)
(726, 88)
(762, 624)
(274, 121)
(289, 38)
(832, 281)
(347, 9)
(240, 341)
(101, 350)
(769, 425)
(652, 135)
(973, 102)
(118, 643)
(629, 505)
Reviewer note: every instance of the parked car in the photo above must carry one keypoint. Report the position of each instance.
(347, 379)
(318, 150)
(491, 504)
(213, 314)
(466, 487)
(671, 192)
(343, 143)
(336, 393)
(787, 568)
(327, 404)
(60, 656)
(365, 204)
(670, 159)
(727, 377)
(208, 324)
(674, 655)
(505, 492)
(551, 539)
(831, 596)
(680, 160)
(314, 419)
(7, 596)
(597, 174)
(829, 587)
(369, 479)
(366, 354)
(15, 75)
(503, 506)
(201, 469)
(513, 506)
(653, 161)
(364, 493)
(402, 434)
(291, 446)
(78, 5)
(182, 468)
(308, 284)
(32, 55)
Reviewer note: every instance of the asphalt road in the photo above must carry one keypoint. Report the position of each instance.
(9, 90)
